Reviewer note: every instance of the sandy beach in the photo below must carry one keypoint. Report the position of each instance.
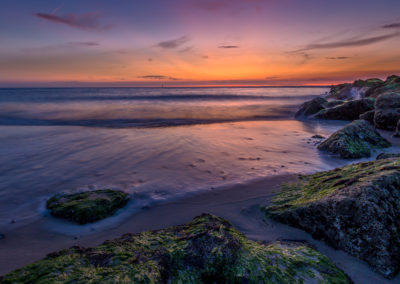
(240, 204)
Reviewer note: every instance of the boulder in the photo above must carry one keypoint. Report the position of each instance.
(392, 84)
(387, 111)
(347, 111)
(311, 107)
(341, 92)
(334, 103)
(368, 116)
(354, 140)
(205, 250)
(354, 208)
(87, 207)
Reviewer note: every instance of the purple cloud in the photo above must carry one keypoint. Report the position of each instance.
(88, 21)
(228, 46)
(174, 43)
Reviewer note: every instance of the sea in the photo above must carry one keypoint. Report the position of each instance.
(157, 144)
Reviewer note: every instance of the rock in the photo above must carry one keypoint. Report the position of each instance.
(87, 207)
(317, 136)
(369, 83)
(205, 250)
(387, 111)
(392, 84)
(334, 103)
(368, 116)
(311, 107)
(341, 92)
(354, 208)
(354, 140)
(347, 111)
(382, 156)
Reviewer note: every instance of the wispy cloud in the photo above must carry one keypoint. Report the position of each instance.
(349, 42)
(228, 46)
(391, 26)
(338, 58)
(158, 77)
(174, 43)
(88, 21)
(63, 46)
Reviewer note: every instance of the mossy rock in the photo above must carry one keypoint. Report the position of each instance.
(354, 140)
(350, 110)
(206, 250)
(392, 84)
(87, 207)
(311, 107)
(354, 208)
(374, 82)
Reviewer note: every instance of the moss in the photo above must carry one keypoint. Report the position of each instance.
(367, 83)
(354, 141)
(206, 250)
(87, 207)
(315, 187)
(354, 208)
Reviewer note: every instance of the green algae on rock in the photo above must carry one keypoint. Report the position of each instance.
(354, 208)
(87, 207)
(206, 250)
(354, 140)
(311, 107)
(347, 111)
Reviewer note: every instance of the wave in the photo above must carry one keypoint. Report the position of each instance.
(130, 123)
(167, 97)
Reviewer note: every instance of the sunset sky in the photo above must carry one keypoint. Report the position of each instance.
(197, 42)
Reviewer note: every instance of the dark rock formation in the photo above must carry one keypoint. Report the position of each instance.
(347, 111)
(341, 92)
(392, 84)
(387, 111)
(355, 208)
(87, 207)
(354, 140)
(206, 250)
(368, 116)
(311, 107)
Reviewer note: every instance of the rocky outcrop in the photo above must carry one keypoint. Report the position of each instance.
(341, 92)
(347, 111)
(87, 207)
(354, 140)
(392, 84)
(387, 111)
(354, 208)
(368, 116)
(206, 250)
(311, 107)
(356, 90)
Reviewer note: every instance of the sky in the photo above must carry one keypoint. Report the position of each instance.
(196, 42)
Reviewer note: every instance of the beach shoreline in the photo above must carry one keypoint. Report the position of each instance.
(239, 203)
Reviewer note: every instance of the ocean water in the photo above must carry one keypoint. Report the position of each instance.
(157, 144)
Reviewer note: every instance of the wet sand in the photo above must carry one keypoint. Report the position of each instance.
(240, 204)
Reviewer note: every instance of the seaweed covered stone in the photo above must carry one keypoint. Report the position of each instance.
(354, 140)
(350, 110)
(205, 250)
(387, 111)
(88, 206)
(311, 107)
(354, 208)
